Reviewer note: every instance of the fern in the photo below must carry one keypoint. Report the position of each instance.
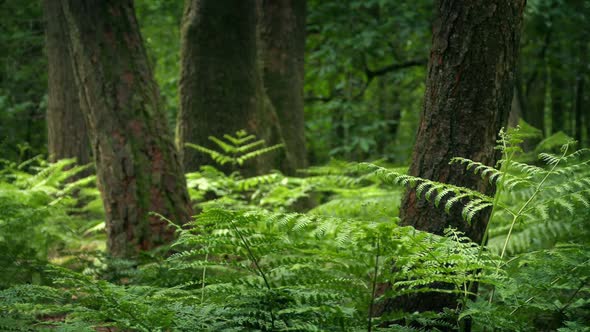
(236, 150)
(37, 218)
(247, 263)
(338, 268)
(434, 191)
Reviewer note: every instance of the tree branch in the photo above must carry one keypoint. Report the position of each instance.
(393, 67)
(370, 75)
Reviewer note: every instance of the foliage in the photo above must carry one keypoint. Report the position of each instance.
(349, 91)
(235, 150)
(37, 222)
(248, 261)
(337, 184)
(365, 118)
(160, 25)
(23, 80)
(553, 62)
(257, 270)
(239, 266)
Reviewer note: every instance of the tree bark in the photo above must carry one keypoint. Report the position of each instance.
(137, 165)
(467, 100)
(282, 35)
(66, 128)
(221, 87)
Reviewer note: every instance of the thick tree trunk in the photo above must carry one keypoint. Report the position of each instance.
(467, 101)
(221, 87)
(137, 165)
(282, 34)
(66, 128)
(468, 96)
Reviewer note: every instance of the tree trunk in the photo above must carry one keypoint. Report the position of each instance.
(282, 34)
(579, 103)
(467, 100)
(221, 88)
(137, 165)
(535, 100)
(388, 111)
(515, 109)
(66, 128)
(579, 107)
(557, 101)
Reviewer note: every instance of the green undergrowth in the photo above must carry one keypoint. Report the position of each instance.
(44, 216)
(315, 252)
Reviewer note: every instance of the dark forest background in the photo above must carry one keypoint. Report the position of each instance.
(365, 66)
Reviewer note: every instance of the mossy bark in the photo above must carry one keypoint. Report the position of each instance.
(221, 87)
(467, 100)
(137, 165)
(282, 35)
(67, 136)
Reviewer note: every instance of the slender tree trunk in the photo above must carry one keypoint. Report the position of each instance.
(467, 100)
(66, 128)
(389, 112)
(221, 87)
(557, 101)
(282, 35)
(579, 107)
(338, 128)
(579, 104)
(587, 123)
(535, 96)
(535, 87)
(137, 165)
(515, 109)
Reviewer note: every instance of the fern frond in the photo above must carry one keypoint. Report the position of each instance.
(530, 170)
(250, 146)
(252, 182)
(241, 138)
(250, 155)
(484, 171)
(427, 189)
(224, 146)
(216, 156)
(551, 159)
